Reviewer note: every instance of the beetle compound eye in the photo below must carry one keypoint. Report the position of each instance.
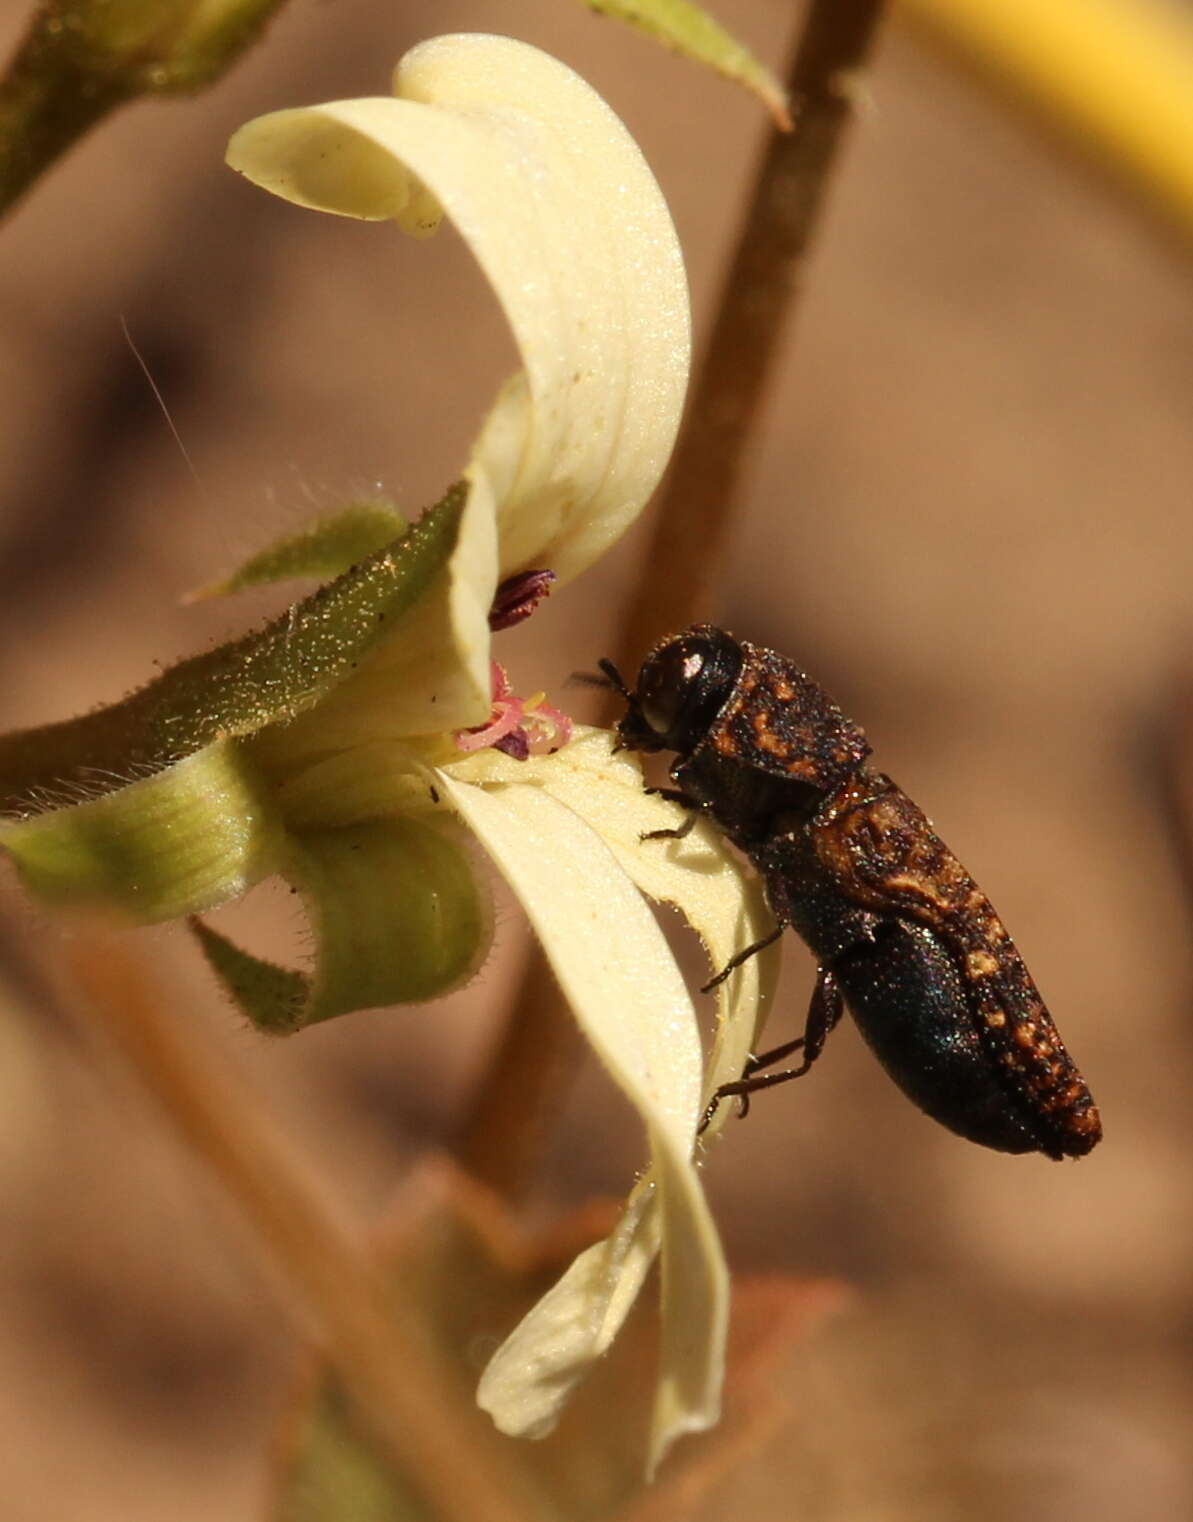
(684, 682)
(656, 718)
(664, 688)
(669, 687)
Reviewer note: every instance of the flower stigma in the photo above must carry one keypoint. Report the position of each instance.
(519, 727)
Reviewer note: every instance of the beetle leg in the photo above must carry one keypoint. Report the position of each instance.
(824, 1012)
(825, 1009)
(672, 795)
(739, 957)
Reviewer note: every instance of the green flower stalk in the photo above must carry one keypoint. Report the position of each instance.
(357, 745)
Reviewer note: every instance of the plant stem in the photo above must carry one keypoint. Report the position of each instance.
(425, 1421)
(80, 59)
(523, 1086)
(753, 322)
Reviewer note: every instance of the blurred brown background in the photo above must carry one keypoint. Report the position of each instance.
(968, 514)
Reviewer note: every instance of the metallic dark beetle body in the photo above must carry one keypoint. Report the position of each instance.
(899, 928)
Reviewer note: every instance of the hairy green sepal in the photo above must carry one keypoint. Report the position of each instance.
(328, 547)
(267, 677)
(398, 917)
(155, 807)
(183, 840)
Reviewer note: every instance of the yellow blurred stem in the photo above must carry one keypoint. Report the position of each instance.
(1116, 74)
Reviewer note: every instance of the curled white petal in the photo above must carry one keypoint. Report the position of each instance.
(532, 1374)
(720, 898)
(619, 977)
(565, 219)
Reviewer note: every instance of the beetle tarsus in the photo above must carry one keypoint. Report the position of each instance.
(739, 957)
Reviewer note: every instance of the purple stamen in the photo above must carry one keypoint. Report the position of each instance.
(514, 744)
(517, 597)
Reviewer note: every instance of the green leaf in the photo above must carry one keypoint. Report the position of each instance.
(329, 547)
(692, 32)
(264, 678)
(398, 917)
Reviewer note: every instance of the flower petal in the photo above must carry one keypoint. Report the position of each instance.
(532, 1374)
(614, 967)
(719, 897)
(568, 224)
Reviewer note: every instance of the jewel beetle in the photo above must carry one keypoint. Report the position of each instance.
(902, 934)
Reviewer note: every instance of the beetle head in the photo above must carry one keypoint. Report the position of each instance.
(682, 686)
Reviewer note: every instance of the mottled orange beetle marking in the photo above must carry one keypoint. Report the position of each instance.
(980, 964)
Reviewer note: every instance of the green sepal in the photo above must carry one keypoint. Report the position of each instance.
(264, 678)
(328, 547)
(398, 916)
(273, 997)
(185, 839)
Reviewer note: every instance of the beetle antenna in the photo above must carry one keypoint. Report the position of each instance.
(616, 680)
(589, 679)
(609, 678)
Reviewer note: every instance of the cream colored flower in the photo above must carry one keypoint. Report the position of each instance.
(326, 747)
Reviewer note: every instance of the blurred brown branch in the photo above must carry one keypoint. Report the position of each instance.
(382, 1353)
(82, 58)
